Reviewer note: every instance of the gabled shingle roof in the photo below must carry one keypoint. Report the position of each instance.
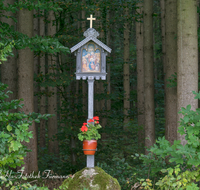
(83, 42)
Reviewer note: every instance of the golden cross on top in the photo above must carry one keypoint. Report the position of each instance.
(91, 19)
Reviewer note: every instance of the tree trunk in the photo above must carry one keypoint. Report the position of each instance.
(9, 68)
(140, 80)
(42, 89)
(52, 99)
(126, 66)
(36, 69)
(25, 85)
(149, 74)
(171, 68)
(162, 7)
(187, 57)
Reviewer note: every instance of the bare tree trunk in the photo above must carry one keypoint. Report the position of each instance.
(171, 68)
(52, 100)
(140, 80)
(42, 89)
(126, 66)
(187, 57)
(9, 68)
(162, 7)
(149, 74)
(25, 85)
(163, 29)
(36, 69)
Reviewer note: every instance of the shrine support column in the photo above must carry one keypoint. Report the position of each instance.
(90, 158)
(90, 98)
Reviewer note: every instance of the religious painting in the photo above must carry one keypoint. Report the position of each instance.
(91, 58)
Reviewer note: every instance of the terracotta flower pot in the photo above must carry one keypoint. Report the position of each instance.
(89, 147)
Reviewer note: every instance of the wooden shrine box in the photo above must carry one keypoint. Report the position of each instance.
(90, 57)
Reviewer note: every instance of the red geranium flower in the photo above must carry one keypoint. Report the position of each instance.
(84, 123)
(96, 122)
(84, 128)
(91, 120)
(96, 118)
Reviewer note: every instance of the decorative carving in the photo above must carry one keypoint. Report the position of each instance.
(91, 32)
(91, 77)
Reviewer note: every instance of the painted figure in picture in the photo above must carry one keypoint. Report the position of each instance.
(84, 62)
(91, 59)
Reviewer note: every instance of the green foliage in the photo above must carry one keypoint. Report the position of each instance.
(181, 163)
(38, 44)
(176, 179)
(146, 184)
(172, 81)
(14, 131)
(32, 4)
(15, 185)
(190, 128)
(5, 50)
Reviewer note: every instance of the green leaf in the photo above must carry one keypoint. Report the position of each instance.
(188, 107)
(15, 145)
(3, 178)
(186, 119)
(37, 120)
(9, 128)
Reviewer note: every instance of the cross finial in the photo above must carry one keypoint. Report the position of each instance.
(91, 19)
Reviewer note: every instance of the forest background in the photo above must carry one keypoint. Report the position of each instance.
(138, 103)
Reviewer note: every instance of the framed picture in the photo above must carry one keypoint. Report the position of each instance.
(91, 58)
